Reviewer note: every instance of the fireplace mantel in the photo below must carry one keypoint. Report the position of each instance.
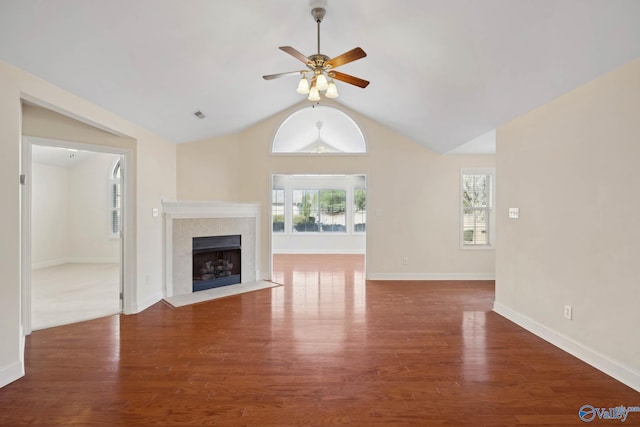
(206, 209)
(185, 220)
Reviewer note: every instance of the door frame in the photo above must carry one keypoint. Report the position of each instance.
(127, 283)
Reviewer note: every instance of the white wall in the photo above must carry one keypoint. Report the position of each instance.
(11, 335)
(49, 215)
(413, 194)
(571, 166)
(70, 213)
(151, 174)
(90, 211)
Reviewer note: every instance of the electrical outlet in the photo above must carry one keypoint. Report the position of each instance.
(405, 260)
(568, 312)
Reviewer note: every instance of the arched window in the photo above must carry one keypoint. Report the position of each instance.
(318, 129)
(115, 192)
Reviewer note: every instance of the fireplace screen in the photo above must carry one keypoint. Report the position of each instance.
(216, 261)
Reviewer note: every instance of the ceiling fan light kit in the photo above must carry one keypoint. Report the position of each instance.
(321, 66)
(303, 86)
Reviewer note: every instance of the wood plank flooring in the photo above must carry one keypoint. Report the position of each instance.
(325, 349)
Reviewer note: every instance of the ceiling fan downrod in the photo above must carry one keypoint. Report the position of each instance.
(318, 14)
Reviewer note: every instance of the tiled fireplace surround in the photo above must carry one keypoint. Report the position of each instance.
(186, 220)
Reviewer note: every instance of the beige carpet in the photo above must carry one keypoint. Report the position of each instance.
(71, 293)
(221, 292)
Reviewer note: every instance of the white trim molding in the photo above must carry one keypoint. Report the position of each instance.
(14, 371)
(431, 276)
(148, 302)
(320, 251)
(208, 209)
(11, 372)
(75, 260)
(588, 355)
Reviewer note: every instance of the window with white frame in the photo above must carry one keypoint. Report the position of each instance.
(277, 210)
(333, 210)
(305, 210)
(477, 212)
(319, 210)
(115, 193)
(359, 209)
(318, 204)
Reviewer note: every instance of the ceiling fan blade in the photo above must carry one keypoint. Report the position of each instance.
(346, 57)
(348, 79)
(295, 53)
(277, 76)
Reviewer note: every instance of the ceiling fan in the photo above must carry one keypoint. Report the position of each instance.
(322, 67)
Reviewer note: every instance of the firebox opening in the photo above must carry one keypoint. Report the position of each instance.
(216, 261)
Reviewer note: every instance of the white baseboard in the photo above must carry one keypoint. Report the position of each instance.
(94, 260)
(74, 260)
(598, 360)
(319, 251)
(48, 263)
(148, 302)
(431, 276)
(11, 372)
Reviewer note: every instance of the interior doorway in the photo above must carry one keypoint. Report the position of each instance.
(75, 204)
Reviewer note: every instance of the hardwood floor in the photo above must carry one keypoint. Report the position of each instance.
(325, 349)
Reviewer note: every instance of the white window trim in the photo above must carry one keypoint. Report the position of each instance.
(113, 181)
(492, 207)
(288, 211)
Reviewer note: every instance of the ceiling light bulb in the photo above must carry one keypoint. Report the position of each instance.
(332, 90)
(303, 86)
(321, 82)
(314, 94)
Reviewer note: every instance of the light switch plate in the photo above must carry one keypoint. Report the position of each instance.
(514, 213)
(155, 212)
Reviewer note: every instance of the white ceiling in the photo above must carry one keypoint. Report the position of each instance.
(319, 127)
(59, 156)
(442, 72)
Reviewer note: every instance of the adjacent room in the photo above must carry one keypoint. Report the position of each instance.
(75, 234)
(319, 212)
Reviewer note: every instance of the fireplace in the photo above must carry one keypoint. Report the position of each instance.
(186, 220)
(216, 261)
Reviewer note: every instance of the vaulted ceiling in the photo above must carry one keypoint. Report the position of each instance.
(442, 72)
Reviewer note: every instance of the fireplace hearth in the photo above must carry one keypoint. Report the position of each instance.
(216, 261)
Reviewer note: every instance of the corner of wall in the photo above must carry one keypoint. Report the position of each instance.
(613, 368)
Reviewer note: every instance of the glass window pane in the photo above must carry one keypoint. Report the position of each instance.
(116, 171)
(277, 210)
(333, 210)
(476, 202)
(115, 222)
(360, 210)
(115, 196)
(116, 199)
(305, 210)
